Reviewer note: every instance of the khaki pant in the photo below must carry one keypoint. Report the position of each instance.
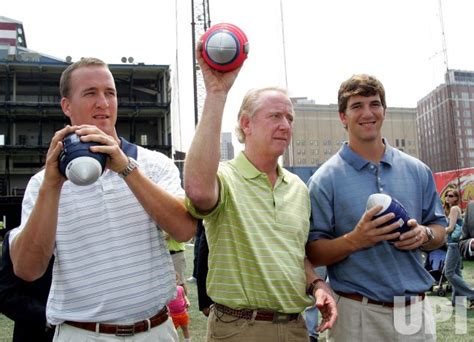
(361, 321)
(179, 263)
(222, 327)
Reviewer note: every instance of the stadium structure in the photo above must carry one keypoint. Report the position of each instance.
(30, 111)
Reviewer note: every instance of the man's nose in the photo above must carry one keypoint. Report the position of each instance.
(367, 109)
(102, 101)
(285, 124)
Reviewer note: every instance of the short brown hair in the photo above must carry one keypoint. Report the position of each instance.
(64, 82)
(362, 84)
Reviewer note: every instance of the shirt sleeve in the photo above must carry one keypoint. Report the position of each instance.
(28, 203)
(322, 213)
(433, 212)
(165, 173)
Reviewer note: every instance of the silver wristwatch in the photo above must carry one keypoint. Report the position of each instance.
(132, 165)
(430, 234)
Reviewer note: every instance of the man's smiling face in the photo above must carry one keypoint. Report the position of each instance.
(363, 118)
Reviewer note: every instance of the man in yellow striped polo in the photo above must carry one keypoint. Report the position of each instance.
(256, 216)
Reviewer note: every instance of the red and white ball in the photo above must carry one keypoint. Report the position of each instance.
(224, 47)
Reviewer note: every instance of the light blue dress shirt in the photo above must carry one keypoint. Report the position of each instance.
(339, 190)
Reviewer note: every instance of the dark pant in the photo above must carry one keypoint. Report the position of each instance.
(197, 241)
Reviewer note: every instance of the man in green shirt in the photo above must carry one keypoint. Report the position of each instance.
(256, 216)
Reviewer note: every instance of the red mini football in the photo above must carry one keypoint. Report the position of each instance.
(224, 47)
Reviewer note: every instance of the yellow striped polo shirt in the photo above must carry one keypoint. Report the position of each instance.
(257, 236)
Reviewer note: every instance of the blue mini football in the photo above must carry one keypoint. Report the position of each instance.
(78, 164)
(390, 205)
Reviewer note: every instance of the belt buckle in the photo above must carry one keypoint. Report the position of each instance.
(125, 330)
(279, 317)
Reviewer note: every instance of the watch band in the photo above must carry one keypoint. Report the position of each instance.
(430, 234)
(132, 165)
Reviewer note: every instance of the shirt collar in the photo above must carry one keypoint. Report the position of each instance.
(357, 162)
(128, 148)
(249, 171)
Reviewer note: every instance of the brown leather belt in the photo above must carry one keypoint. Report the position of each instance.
(124, 330)
(262, 315)
(360, 298)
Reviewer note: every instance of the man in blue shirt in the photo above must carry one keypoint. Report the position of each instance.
(368, 273)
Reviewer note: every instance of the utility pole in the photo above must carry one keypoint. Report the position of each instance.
(201, 21)
(291, 157)
(449, 103)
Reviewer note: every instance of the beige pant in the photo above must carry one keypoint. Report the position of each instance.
(164, 332)
(360, 321)
(222, 327)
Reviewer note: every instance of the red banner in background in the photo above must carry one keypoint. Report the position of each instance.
(462, 179)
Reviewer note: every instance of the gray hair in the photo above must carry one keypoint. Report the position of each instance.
(250, 105)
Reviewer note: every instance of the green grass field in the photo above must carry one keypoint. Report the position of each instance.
(445, 329)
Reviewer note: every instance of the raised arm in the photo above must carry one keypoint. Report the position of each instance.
(202, 160)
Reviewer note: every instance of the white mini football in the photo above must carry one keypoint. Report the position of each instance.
(83, 170)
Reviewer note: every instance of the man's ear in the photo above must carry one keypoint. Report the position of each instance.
(66, 106)
(343, 118)
(245, 124)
